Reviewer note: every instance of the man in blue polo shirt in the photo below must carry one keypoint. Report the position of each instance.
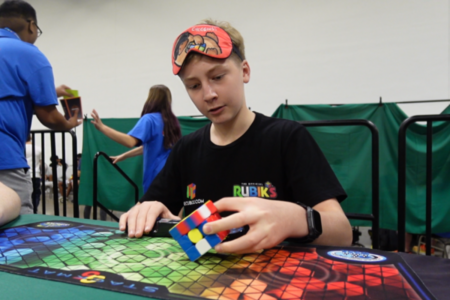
(26, 86)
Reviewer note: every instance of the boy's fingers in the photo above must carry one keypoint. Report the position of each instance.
(172, 216)
(234, 221)
(141, 219)
(123, 222)
(131, 220)
(230, 204)
(245, 244)
(150, 221)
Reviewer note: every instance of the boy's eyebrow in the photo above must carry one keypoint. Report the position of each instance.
(212, 70)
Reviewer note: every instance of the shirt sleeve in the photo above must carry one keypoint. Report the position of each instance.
(166, 185)
(144, 129)
(39, 78)
(310, 177)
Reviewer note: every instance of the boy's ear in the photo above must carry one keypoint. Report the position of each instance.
(246, 71)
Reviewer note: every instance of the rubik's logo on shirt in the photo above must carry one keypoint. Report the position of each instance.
(191, 191)
(266, 190)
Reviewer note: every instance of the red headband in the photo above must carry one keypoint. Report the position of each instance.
(208, 40)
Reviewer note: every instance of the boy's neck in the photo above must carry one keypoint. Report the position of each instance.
(226, 133)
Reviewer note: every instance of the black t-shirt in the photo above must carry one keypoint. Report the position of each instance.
(274, 159)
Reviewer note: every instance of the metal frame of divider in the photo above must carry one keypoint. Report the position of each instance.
(374, 217)
(53, 134)
(95, 188)
(402, 176)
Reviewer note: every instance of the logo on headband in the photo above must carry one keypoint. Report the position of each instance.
(208, 44)
(205, 39)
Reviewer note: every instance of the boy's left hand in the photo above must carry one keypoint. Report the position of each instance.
(270, 223)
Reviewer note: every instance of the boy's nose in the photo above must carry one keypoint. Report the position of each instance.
(209, 92)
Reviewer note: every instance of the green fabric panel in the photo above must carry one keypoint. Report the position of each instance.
(191, 124)
(348, 149)
(113, 190)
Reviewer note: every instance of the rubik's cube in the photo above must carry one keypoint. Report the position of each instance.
(189, 231)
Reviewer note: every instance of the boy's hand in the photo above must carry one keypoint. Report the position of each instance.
(142, 217)
(270, 223)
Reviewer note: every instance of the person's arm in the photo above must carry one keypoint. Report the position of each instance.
(272, 221)
(50, 117)
(9, 204)
(132, 153)
(117, 136)
(336, 228)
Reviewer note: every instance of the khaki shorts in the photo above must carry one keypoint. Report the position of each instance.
(20, 182)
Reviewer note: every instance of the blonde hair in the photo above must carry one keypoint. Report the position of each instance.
(236, 39)
(234, 34)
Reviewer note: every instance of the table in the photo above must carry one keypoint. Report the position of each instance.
(433, 271)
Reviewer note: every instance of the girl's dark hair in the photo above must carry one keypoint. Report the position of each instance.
(160, 100)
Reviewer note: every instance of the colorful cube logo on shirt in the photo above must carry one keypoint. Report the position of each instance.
(191, 191)
(189, 231)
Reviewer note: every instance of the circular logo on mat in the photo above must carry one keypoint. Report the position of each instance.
(356, 255)
(53, 225)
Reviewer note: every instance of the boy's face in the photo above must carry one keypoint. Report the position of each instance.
(216, 86)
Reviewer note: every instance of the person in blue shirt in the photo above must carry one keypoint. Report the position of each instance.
(156, 132)
(26, 87)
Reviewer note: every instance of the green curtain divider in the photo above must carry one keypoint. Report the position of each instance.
(348, 150)
(113, 190)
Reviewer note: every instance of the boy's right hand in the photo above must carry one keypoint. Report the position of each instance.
(142, 217)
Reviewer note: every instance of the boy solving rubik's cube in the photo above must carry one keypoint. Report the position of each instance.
(189, 234)
(230, 160)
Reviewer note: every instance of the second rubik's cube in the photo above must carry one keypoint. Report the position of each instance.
(189, 231)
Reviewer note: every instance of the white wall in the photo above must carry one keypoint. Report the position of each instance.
(307, 51)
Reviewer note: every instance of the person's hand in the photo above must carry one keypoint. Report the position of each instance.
(270, 223)
(142, 217)
(116, 159)
(97, 121)
(61, 91)
(73, 121)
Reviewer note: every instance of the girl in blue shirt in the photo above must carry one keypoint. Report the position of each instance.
(154, 135)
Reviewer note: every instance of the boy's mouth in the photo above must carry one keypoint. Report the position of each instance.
(216, 109)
